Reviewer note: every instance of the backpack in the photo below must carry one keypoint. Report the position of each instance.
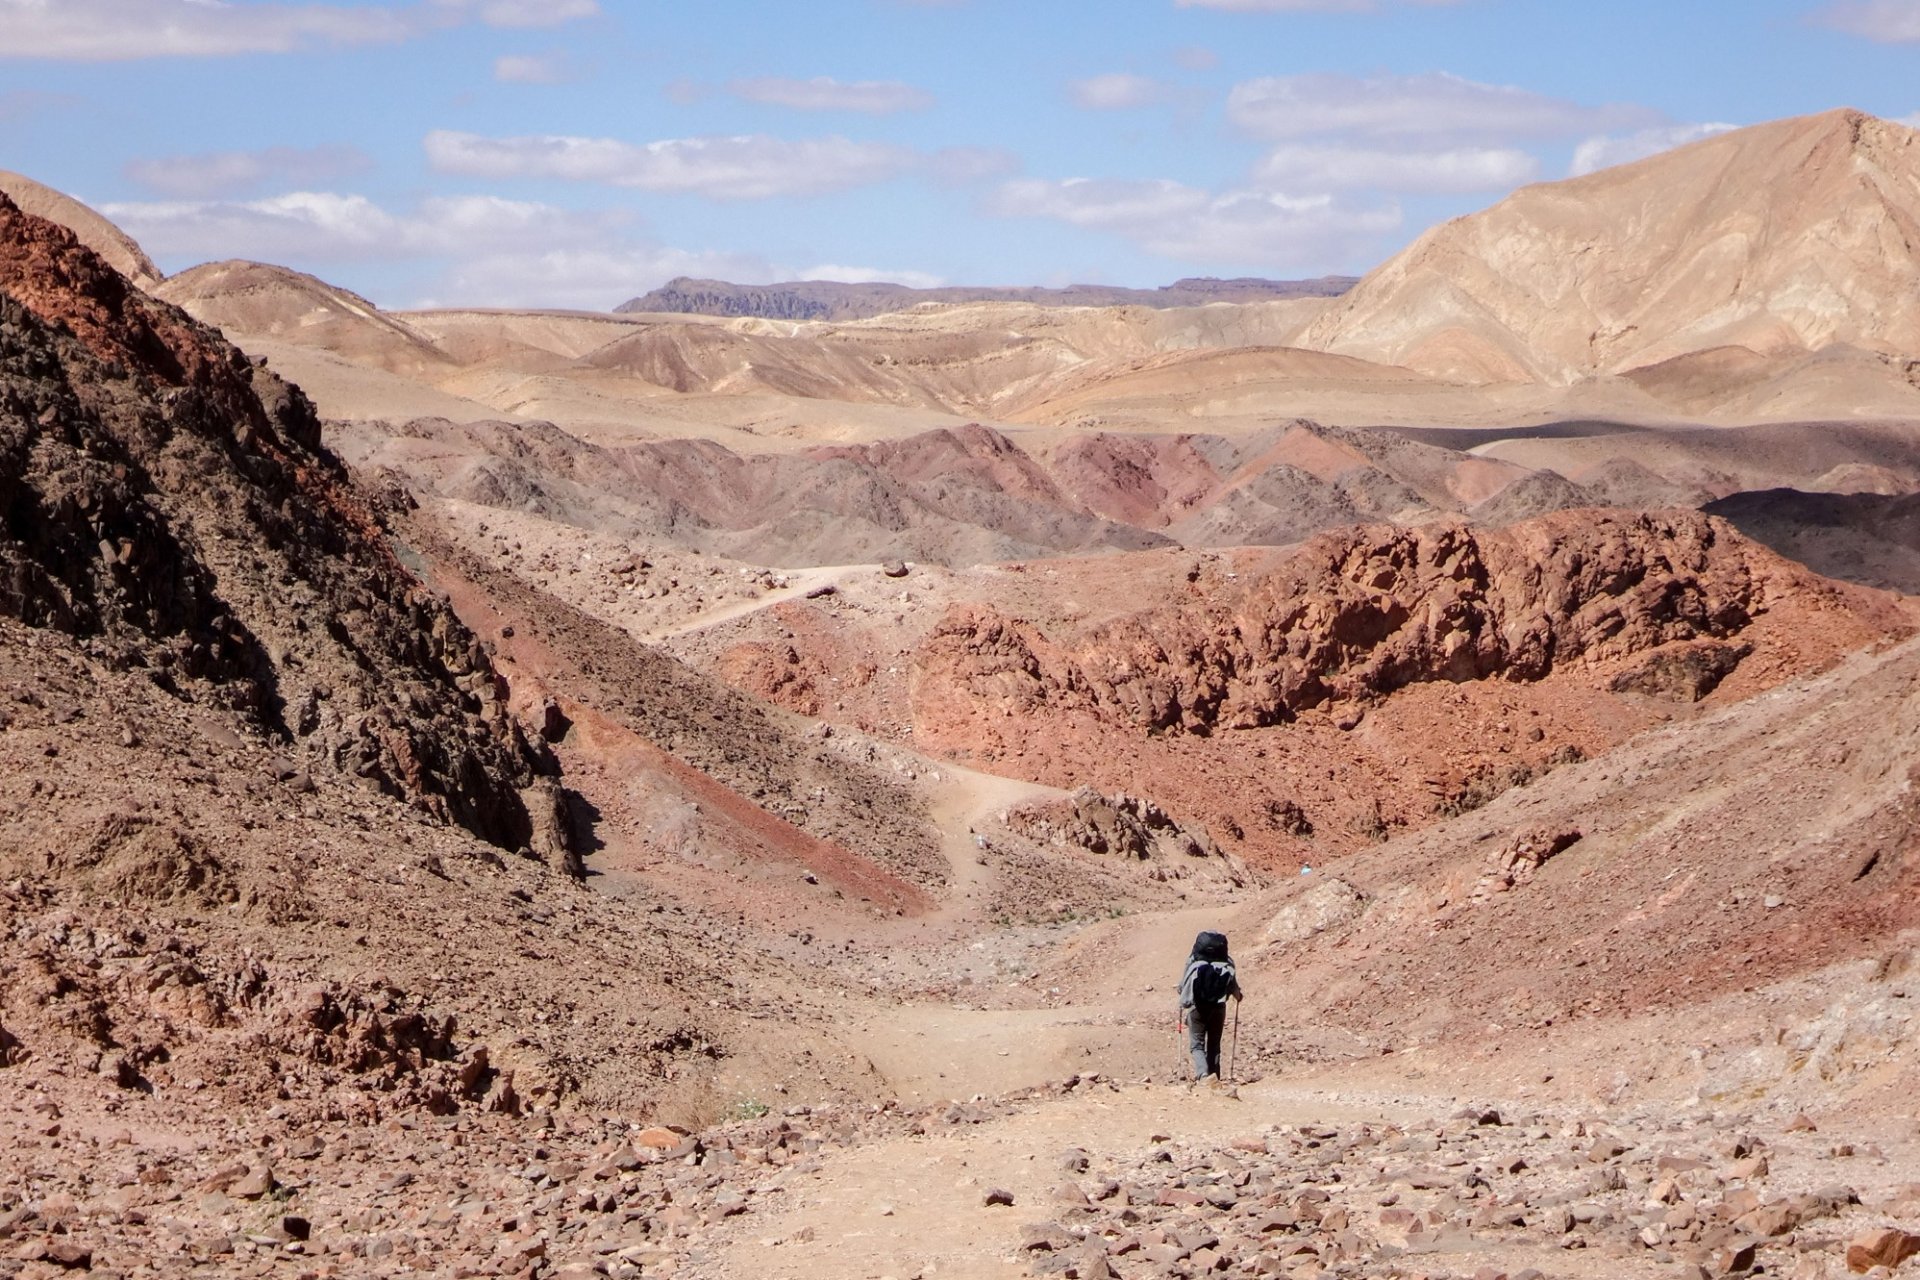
(1209, 978)
(1210, 982)
(1208, 945)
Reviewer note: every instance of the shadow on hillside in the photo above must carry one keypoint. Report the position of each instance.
(1868, 538)
(583, 822)
(1467, 439)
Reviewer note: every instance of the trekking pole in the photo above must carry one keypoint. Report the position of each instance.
(1233, 1062)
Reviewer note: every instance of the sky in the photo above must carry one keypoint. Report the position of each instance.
(575, 153)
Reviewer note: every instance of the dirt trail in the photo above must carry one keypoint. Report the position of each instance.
(1104, 1001)
(914, 1206)
(963, 800)
(799, 582)
(911, 1206)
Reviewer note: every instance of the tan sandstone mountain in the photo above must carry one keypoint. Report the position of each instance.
(94, 231)
(260, 300)
(1780, 238)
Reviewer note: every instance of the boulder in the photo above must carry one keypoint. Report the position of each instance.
(1132, 828)
(1327, 905)
(1683, 672)
(1775, 1219)
(68, 1255)
(658, 1138)
(253, 1184)
(1884, 1247)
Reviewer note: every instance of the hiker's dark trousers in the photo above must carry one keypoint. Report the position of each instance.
(1204, 1028)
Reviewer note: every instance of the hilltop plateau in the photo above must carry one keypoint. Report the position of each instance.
(831, 300)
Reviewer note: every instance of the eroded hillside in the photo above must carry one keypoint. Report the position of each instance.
(172, 509)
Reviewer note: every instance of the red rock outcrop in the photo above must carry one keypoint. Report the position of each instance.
(1127, 828)
(1363, 612)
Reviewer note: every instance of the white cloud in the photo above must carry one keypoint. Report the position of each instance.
(533, 68)
(584, 279)
(520, 13)
(1116, 91)
(729, 168)
(1605, 152)
(1420, 108)
(304, 224)
(497, 252)
(1101, 204)
(121, 30)
(1442, 172)
(823, 93)
(324, 226)
(111, 30)
(870, 275)
(1887, 21)
(472, 221)
(221, 173)
(1341, 148)
(1177, 221)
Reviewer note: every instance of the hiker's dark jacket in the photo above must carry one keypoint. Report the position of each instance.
(1209, 978)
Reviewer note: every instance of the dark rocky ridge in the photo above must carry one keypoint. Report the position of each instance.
(955, 496)
(168, 503)
(1859, 537)
(832, 300)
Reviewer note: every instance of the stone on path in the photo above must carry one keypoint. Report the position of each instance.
(1886, 1247)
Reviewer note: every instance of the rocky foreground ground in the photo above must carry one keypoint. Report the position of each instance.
(117, 1188)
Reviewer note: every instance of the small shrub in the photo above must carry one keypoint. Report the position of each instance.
(1287, 817)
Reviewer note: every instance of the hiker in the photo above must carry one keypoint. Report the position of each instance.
(1205, 988)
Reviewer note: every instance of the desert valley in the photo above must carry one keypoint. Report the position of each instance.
(723, 786)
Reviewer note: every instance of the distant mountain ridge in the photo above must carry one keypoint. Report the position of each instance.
(833, 300)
